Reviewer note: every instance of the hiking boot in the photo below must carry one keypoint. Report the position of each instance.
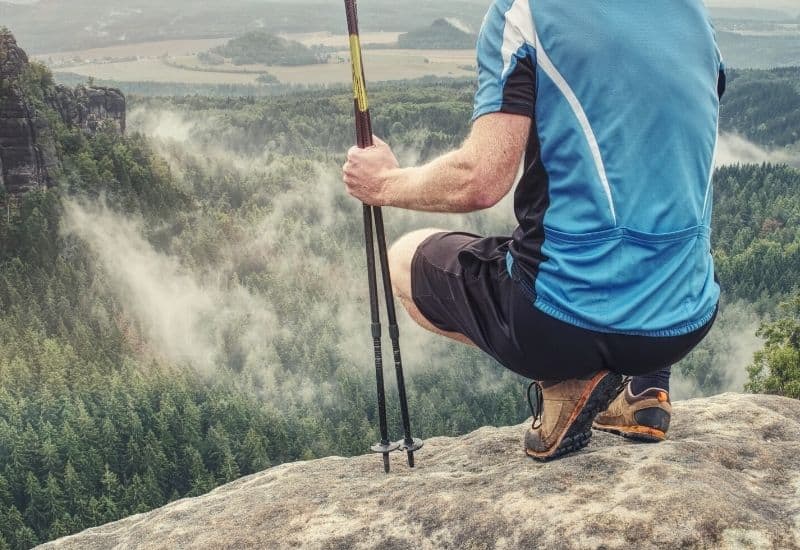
(563, 414)
(643, 417)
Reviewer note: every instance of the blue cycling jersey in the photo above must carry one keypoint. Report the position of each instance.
(614, 206)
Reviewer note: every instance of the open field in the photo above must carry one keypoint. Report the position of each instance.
(155, 70)
(341, 40)
(175, 48)
(145, 62)
(142, 50)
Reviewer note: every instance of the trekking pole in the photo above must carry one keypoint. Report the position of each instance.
(364, 139)
(409, 443)
(385, 446)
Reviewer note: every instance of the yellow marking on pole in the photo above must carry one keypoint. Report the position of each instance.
(359, 86)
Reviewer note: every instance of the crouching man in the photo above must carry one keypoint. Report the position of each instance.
(612, 109)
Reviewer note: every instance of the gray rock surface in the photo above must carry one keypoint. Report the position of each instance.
(28, 154)
(88, 107)
(728, 477)
(26, 160)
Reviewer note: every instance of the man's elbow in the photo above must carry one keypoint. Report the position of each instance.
(483, 201)
(485, 195)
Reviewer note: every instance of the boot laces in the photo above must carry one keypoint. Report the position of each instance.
(538, 408)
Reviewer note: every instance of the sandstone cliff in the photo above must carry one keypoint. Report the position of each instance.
(729, 477)
(89, 106)
(28, 152)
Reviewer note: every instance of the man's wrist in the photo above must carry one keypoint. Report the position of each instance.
(392, 187)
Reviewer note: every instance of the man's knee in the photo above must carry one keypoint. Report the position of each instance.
(401, 255)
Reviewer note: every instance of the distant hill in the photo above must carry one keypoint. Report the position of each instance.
(444, 34)
(267, 48)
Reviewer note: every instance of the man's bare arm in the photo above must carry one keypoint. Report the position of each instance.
(476, 176)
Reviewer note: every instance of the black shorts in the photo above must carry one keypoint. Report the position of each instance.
(460, 283)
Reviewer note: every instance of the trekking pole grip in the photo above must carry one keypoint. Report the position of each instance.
(363, 119)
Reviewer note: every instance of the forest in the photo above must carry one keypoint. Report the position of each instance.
(764, 106)
(259, 47)
(187, 306)
(441, 34)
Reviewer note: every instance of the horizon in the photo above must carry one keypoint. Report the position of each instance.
(783, 5)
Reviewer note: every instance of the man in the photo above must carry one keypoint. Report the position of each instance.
(612, 107)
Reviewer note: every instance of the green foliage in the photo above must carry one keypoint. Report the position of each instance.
(34, 82)
(441, 34)
(757, 231)
(776, 368)
(181, 89)
(163, 89)
(427, 117)
(208, 58)
(764, 106)
(267, 78)
(259, 47)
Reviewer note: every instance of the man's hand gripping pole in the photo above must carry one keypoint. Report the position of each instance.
(375, 214)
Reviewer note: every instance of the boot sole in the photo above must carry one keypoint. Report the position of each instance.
(595, 400)
(636, 433)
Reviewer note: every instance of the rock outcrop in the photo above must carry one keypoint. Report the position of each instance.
(89, 106)
(28, 153)
(728, 477)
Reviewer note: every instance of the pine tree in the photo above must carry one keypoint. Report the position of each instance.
(92, 513)
(200, 480)
(25, 538)
(134, 498)
(229, 470)
(13, 522)
(36, 513)
(108, 505)
(73, 491)
(253, 453)
(53, 498)
(5, 493)
(59, 528)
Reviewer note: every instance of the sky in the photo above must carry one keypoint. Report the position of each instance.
(791, 5)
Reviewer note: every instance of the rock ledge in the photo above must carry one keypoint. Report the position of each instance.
(729, 477)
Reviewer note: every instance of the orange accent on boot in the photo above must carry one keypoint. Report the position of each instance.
(643, 430)
(663, 397)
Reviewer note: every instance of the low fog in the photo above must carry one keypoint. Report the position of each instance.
(191, 315)
(735, 149)
(185, 316)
